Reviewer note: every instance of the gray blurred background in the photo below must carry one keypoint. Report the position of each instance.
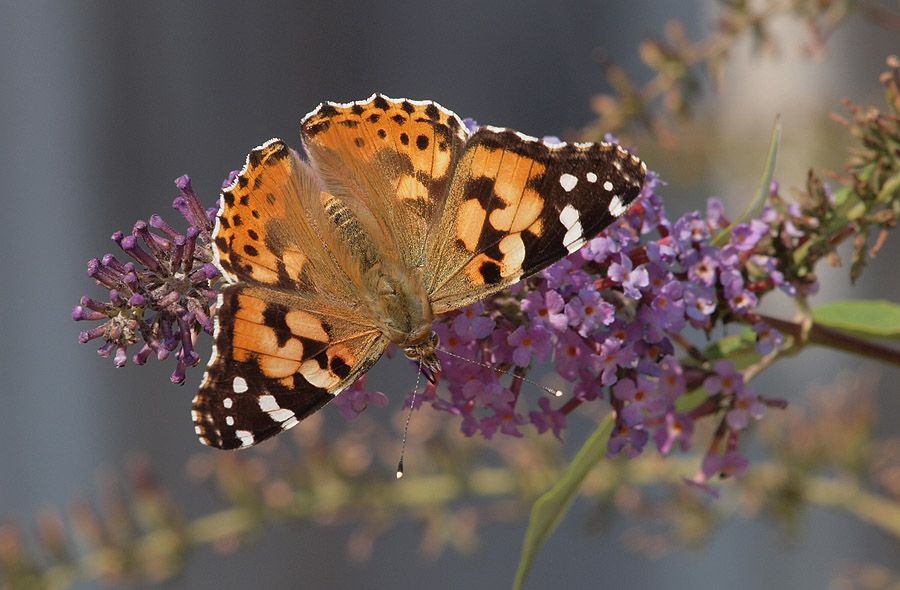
(104, 104)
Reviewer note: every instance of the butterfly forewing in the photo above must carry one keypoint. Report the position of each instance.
(517, 205)
(391, 161)
(264, 230)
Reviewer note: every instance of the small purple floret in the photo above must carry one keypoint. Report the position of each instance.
(195, 212)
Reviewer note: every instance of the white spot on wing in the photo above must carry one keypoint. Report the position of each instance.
(567, 181)
(608, 185)
(617, 207)
(214, 355)
(569, 216)
(239, 385)
(268, 403)
(245, 436)
(591, 177)
(229, 420)
(227, 402)
(281, 415)
(571, 220)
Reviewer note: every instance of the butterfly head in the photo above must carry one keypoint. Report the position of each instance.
(424, 352)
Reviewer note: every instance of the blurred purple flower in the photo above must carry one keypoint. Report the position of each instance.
(726, 379)
(767, 339)
(471, 319)
(548, 418)
(745, 236)
(354, 400)
(678, 428)
(505, 419)
(630, 439)
(731, 464)
(641, 397)
(746, 405)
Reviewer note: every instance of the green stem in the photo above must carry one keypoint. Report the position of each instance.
(836, 339)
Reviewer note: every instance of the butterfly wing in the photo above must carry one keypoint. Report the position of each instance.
(391, 162)
(517, 205)
(287, 336)
(278, 358)
(271, 225)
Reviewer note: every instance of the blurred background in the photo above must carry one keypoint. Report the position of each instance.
(104, 104)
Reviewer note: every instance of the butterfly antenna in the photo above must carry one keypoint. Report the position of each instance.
(553, 392)
(412, 404)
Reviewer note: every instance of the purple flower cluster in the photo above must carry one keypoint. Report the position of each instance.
(619, 333)
(163, 296)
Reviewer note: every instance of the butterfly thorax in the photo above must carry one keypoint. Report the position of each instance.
(399, 303)
(403, 309)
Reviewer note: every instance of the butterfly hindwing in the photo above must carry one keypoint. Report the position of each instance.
(278, 357)
(517, 205)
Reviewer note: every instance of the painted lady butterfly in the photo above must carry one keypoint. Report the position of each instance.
(400, 213)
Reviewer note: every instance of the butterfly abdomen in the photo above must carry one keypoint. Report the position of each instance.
(356, 250)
